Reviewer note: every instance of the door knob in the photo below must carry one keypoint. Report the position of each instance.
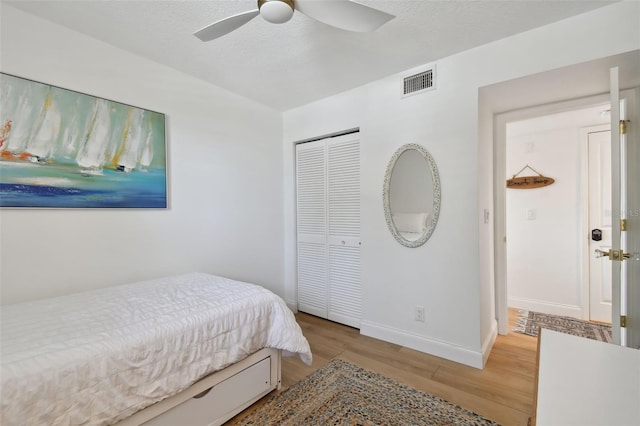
(613, 254)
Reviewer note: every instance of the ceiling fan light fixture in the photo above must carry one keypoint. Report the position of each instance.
(344, 14)
(276, 11)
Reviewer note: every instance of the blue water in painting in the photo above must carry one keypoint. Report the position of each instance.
(62, 186)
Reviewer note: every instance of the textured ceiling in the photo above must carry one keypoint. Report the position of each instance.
(291, 64)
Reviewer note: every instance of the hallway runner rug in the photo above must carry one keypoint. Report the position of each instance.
(341, 393)
(529, 321)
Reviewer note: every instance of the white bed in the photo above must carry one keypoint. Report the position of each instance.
(101, 356)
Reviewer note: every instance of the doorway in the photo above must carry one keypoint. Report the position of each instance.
(548, 256)
(508, 100)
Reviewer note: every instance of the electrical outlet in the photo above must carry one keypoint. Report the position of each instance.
(418, 313)
(531, 214)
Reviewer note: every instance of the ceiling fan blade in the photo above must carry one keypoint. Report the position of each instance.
(225, 26)
(344, 14)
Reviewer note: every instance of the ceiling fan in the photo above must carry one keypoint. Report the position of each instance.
(344, 14)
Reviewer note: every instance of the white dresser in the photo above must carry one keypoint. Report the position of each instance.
(586, 382)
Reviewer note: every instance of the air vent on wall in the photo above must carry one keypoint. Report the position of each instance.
(419, 82)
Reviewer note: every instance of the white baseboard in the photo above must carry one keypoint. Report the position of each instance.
(487, 345)
(424, 344)
(546, 307)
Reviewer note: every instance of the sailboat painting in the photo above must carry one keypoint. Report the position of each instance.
(64, 149)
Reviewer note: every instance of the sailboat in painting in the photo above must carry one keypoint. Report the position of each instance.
(93, 152)
(147, 152)
(74, 131)
(17, 122)
(45, 132)
(128, 155)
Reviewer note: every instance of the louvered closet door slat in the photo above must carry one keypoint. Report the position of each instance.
(312, 278)
(311, 189)
(344, 188)
(345, 292)
(343, 194)
(312, 228)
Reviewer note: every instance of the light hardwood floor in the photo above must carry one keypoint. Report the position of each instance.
(502, 392)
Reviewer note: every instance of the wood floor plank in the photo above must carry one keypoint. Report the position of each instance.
(502, 391)
(479, 404)
(515, 392)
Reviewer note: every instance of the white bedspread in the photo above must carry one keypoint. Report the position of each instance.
(98, 357)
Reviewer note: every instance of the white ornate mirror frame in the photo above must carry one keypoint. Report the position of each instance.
(433, 215)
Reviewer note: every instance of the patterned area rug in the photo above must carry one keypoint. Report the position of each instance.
(529, 322)
(343, 394)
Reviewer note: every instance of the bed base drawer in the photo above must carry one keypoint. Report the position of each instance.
(217, 398)
(199, 410)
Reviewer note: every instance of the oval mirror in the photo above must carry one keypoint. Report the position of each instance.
(412, 195)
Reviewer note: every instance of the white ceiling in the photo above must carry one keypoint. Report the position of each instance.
(291, 64)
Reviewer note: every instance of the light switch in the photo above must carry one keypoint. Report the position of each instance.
(530, 147)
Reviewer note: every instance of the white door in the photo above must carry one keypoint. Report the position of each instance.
(631, 150)
(625, 256)
(599, 154)
(311, 191)
(343, 184)
(616, 216)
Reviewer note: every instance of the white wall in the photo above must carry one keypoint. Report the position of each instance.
(445, 275)
(545, 253)
(224, 178)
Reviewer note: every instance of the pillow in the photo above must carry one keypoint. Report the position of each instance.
(410, 222)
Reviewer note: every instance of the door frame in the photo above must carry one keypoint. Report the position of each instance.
(545, 87)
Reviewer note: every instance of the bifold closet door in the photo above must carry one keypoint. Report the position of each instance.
(343, 192)
(328, 189)
(311, 188)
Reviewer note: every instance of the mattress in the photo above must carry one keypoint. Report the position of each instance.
(97, 357)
